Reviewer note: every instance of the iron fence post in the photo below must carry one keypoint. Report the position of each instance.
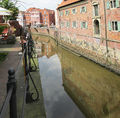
(12, 83)
(28, 94)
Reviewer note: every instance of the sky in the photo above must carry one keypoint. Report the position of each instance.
(49, 4)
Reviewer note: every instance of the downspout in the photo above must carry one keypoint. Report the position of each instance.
(60, 22)
(106, 33)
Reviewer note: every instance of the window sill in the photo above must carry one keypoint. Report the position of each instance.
(97, 36)
(96, 17)
(115, 31)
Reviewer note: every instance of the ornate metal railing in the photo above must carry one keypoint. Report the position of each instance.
(29, 66)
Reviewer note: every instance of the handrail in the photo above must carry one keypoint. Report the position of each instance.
(5, 104)
(10, 99)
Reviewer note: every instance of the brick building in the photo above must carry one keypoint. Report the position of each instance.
(36, 16)
(92, 18)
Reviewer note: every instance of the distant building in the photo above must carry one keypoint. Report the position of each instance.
(91, 18)
(36, 16)
(21, 18)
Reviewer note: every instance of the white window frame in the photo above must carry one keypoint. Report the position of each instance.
(75, 11)
(114, 27)
(94, 9)
(62, 24)
(81, 10)
(113, 4)
(73, 24)
(67, 24)
(86, 25)
(66, 12)
(61, 13)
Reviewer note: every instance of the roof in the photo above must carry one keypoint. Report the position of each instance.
(30, 9)
(67, 2)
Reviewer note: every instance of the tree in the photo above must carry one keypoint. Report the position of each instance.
(7, 4)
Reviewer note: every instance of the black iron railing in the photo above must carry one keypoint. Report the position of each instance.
(29, 66)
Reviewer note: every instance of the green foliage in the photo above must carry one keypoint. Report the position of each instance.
(2, 28)
(7, 4)
(3, 56)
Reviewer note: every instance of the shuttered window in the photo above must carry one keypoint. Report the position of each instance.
(66, 12)
(74, 11)
(113, 4)
(83, 9)
(61, 13)
(84, 25)
(67, 24)
(119, 26)
(114, 26)
(108, 5)
(74, 24)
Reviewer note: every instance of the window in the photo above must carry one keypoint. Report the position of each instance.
(66, 12)
(82, 9)
(84, 25)
(74, 24)
(74, 11)
(113, 4)
(96, 27)
(96, 10)
(67, 24)
(44, 12)
(61, 13)
(62, 24)
(114, 25)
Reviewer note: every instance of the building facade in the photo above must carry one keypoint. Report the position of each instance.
(21, 18)
(35, 16)
(93, 28)
(92, 18)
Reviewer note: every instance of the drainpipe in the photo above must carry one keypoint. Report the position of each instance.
(60, 22)
(106, 37)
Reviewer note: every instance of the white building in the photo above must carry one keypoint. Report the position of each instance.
(21, 18)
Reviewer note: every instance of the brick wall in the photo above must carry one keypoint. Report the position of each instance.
(112, 14)
(40, 16)
(104, 52)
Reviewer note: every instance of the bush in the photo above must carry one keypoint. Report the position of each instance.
(11, 39)
(3, 56)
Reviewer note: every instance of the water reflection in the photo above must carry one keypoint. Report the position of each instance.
(57, 103)
(94, 89)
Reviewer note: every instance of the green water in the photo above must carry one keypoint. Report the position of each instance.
(94, 89)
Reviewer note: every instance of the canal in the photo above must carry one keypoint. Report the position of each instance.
(74, 87)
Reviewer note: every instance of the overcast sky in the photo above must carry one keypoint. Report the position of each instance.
(49, 4)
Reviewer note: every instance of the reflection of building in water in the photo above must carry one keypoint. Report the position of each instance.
(93, 88)
(44, 48)
(47, 50)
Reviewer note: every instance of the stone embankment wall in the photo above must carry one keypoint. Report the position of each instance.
(104, 52)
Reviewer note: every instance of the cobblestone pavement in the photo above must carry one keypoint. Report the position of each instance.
(11, 61)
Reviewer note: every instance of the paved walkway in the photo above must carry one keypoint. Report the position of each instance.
(33, 110)
(11, 60)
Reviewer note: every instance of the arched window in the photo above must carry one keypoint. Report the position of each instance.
(96, 27)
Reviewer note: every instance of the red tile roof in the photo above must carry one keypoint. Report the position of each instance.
(67, 2)
(30, 9)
